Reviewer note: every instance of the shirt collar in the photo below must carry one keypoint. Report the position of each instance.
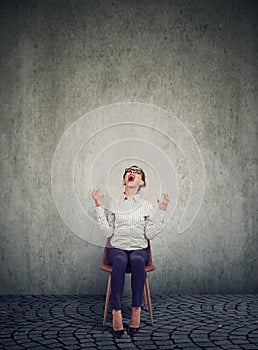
(135, 198)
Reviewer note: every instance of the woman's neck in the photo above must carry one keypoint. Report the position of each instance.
(129, 192)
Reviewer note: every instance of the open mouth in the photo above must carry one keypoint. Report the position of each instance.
(131, 178)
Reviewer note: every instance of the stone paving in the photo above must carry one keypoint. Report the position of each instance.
(180, 322)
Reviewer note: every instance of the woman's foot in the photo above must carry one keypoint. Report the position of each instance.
(134, 324)
(118, 328)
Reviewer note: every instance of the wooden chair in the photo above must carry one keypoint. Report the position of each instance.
(105, 266)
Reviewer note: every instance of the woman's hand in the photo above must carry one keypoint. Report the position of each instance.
(163, 205)
(99, 200)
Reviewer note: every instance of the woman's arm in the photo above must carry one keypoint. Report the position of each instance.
(155, 220)
(154, 223)
(107, 224)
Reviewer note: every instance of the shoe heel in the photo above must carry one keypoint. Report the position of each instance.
(118, 333)
(133, 330)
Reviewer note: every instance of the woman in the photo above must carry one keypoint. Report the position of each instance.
(129, 224)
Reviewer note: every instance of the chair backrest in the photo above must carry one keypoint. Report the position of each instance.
(105, 266)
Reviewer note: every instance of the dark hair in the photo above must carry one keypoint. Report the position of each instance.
(142, 174)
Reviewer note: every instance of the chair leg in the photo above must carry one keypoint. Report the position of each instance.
(149, 299)
(145, 297)
(107, 299)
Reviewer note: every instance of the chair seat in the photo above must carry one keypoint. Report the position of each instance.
(104, 267)
(108, 268)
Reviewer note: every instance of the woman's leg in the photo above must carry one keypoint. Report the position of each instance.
(138, 260)
(118, 259)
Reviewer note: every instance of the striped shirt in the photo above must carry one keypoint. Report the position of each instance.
(130, 222)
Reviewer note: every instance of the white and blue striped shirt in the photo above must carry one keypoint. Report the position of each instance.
(130, 222)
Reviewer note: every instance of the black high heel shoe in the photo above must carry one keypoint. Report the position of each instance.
(118, 333)
(133, 330)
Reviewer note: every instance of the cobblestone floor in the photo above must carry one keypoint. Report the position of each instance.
(180, 322)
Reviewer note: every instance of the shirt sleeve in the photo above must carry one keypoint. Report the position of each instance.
(106, 223)
(154, 221)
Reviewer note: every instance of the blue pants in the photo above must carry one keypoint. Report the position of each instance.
(119, 259)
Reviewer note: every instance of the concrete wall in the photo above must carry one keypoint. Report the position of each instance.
(195, 59)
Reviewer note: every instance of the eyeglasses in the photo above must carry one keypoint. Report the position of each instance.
(133, 171)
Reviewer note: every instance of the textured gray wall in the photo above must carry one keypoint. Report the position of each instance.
(195, 59)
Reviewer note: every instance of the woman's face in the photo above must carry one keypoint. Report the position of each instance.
(133, 178)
